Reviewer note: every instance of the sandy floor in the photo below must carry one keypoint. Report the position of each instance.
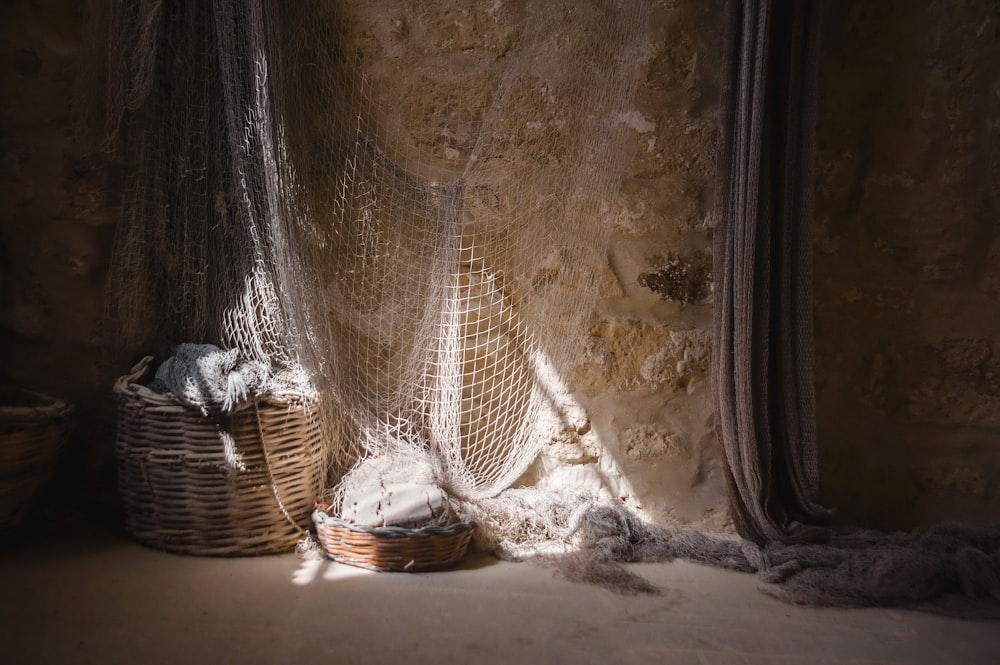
(92, 596)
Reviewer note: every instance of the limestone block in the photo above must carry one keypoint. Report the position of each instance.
(631, 356)
(667, 204)
(681, 362)
(577, 477)
(574, 445)
(648, 441)
(685, 278)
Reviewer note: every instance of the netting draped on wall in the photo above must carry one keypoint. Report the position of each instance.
(763, 360)
(427, 261)
(426, 257)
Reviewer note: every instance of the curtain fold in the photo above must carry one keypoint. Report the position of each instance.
(763, 360)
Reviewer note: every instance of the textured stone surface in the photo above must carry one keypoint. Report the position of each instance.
(636, 417)
(907, 311)
(57, 209)
(907, 269)
(645, 376)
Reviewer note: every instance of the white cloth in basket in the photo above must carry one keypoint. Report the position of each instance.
(211, 379)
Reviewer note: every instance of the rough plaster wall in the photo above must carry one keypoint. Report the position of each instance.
(58, 205)
(644, 377)
(908, 261)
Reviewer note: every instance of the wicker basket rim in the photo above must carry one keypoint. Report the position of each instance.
(128, 385)
(321, 516)
(40, 406)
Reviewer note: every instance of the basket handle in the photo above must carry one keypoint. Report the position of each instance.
(140, 370)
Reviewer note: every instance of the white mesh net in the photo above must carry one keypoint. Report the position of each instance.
(426, 246)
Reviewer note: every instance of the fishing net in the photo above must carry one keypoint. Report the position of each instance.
(425, 253)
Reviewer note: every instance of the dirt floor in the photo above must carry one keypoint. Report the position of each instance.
(81, 592)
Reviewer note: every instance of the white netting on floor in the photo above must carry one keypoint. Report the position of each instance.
(426, 247)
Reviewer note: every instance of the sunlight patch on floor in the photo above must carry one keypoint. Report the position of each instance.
(310, 570)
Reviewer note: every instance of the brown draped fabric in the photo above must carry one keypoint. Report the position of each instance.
(763, 374)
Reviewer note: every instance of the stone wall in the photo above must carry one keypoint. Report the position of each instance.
(58, 206)
(907, 273)
(908, 261)
(646, 380)
(644, 377)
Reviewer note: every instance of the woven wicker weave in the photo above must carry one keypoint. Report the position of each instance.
(180, 492)
(33, 429)
(388, 548)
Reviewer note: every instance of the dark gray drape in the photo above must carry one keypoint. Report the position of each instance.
(763, 375)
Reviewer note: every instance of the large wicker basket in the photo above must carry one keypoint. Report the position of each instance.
(33, 430)
(182, 492)
(391, 548)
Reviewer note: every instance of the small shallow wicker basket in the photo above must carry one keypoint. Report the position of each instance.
(33, 430)
(182, 493)
(387, 548)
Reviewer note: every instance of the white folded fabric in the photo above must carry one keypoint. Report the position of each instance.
(400, 504)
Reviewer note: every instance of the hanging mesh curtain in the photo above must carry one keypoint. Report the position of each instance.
(426, 249)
